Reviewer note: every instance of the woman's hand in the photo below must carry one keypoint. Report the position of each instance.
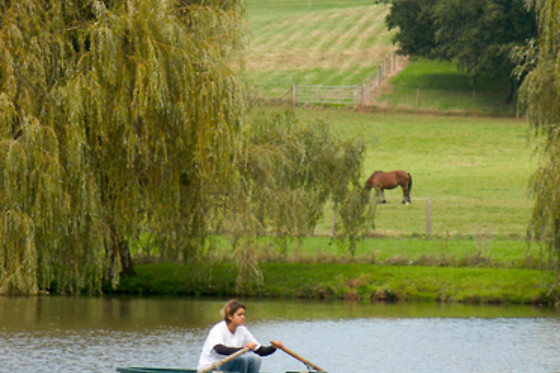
(251, 345)
(277, 344)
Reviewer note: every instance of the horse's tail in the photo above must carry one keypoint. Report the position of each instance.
(409, 182)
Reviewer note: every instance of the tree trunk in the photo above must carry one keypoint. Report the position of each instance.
(513, 86)
(126, 259)
(335, 211)
(120, 252)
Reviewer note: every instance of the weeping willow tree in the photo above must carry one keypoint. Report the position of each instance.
(290, 170)
(286, 173)
(125, 116)
(540, 94)
(283, 169)
(115, 116)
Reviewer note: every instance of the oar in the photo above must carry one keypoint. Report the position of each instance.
(217, 364)
(306, 362)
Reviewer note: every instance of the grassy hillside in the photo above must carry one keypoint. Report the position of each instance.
(331, 42)
(342, 42)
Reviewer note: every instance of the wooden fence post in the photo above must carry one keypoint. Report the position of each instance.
(363, 93)
(429, 219)
(294, 94)
(335, 212)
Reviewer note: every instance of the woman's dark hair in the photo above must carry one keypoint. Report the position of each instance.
(230, 309)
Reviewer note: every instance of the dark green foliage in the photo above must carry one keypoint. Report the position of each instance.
(416, 35)
(173, 279)
(479, 35)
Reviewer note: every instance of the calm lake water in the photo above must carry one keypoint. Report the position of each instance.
(71, 334)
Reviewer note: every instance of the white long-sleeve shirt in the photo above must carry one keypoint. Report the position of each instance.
(220, 334)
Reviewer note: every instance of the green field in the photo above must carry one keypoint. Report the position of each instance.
(469, 155)
(474, 170)
(330, 42)
(336, 42)
(438, 87)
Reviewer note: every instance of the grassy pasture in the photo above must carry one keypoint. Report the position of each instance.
(336, 42)
(330, 42)
(475, 170)
(479, 251)
(425, 85)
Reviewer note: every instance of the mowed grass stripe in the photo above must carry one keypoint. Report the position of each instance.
(294, 7)
(359, 25)
(331, 31)
(321, 44)
(340, 27)
(376, 34)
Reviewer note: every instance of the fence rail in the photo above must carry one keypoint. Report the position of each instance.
(325, 94)
(346, 94)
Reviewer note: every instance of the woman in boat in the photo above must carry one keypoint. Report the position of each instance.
(229, 336)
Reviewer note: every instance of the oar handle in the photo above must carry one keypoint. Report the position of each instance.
(305, 361)
(224, 360)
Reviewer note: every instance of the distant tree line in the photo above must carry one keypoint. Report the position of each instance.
(480, 35)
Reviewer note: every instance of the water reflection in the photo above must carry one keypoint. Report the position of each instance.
(67, 334)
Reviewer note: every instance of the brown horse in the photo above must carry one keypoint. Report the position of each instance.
(389, 180)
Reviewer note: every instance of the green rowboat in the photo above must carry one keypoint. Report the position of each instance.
(171, 370)
(154, 370)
